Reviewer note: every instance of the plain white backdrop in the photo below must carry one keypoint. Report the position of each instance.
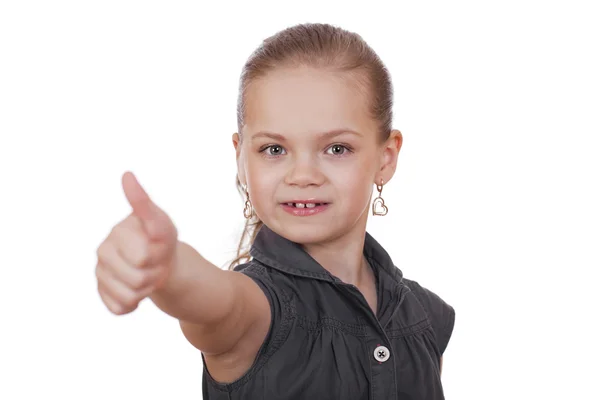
(494, 206)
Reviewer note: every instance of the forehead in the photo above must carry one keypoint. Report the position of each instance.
(304, 100)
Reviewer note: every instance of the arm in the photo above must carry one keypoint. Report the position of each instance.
(215, 307)
(441, 362)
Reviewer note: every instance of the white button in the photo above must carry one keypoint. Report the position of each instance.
(381, 354)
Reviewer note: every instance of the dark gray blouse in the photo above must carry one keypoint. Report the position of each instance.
(325, 342)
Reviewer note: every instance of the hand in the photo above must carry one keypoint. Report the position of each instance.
(139, 253)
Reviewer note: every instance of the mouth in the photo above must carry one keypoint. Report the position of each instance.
(304, 203)
(305, 208)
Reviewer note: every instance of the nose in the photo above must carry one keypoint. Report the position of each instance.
(304, 171)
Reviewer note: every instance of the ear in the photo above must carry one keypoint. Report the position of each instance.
(389, 156)
(236, 138)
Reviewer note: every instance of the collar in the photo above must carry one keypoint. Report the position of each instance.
(277, 252)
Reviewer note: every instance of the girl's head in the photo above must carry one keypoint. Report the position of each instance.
(314, 123)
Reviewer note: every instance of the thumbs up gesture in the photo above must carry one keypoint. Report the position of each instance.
(139, 253)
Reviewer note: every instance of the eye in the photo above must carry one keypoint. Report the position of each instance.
(338, 149)
(273, 150)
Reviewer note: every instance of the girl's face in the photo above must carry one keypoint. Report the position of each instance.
(308, 139)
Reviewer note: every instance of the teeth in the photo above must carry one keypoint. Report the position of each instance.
(303, 205)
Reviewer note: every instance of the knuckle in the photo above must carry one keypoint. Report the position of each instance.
(129, 300)
(101, 250)
(139, 281)
(132, 221)
(120, 232)
(141, 258)
(116, 230)
(100, 273)
(136, 246)
(113, 307)
(140, 250)
(116, 307)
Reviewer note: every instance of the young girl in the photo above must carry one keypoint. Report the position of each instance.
(316, 309)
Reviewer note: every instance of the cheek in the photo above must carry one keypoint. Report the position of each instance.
(262, 181)
(353, 182)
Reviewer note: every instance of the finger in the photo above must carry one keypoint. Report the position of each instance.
(136, 249)
(110, 303)
(116, 289)
(156, 222)
(131, 243)
(135, 278)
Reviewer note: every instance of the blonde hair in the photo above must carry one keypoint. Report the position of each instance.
(321, 46)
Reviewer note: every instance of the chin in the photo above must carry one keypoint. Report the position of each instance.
(306, 234)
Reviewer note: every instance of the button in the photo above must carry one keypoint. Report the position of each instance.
(381, 354)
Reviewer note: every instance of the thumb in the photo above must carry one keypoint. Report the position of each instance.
(155, 221)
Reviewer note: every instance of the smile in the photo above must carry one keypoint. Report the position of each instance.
(304, 208)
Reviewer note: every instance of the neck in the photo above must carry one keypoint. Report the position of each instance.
(343, 256)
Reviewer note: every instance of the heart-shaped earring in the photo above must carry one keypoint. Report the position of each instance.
(379, 207)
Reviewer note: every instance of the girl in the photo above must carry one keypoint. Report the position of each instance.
(316, 309)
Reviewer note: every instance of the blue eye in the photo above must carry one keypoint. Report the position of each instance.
(339, 149)
(274, 150)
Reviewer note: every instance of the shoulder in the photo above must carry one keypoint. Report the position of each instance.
(266, 278)
(261, 277)
(440, 313)
(269, 281)
(275, 332)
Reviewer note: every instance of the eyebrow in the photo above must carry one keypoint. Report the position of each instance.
(323, 135)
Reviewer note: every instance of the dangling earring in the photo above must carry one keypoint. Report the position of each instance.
(248, 210)
(379, 207)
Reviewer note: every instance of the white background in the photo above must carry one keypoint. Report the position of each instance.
(494, 205)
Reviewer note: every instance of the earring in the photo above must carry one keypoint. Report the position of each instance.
(248, 210)
(379, 207)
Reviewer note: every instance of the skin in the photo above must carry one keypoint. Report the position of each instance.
(301, 104)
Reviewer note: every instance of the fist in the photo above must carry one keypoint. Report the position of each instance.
(139, 253)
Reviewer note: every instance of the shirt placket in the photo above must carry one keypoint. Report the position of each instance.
(379, 350)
